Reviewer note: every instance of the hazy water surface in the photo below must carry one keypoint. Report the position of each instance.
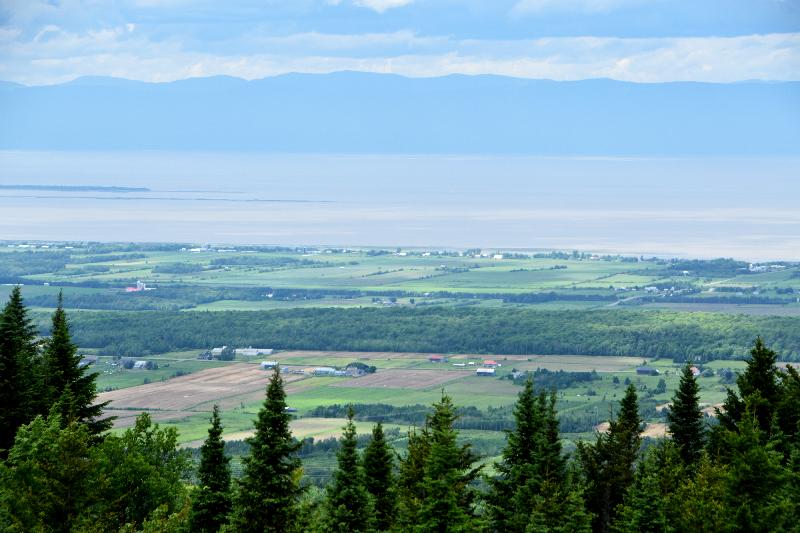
(748, 207)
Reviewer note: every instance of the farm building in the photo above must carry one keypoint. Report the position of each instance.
(437, 359)
(484, 372)
(252, 352)
(268, 365)
(647, 371)
(216, 352)
(354, 372)
(140, 364)
(324, 371)
(695, 371)
(489, 363)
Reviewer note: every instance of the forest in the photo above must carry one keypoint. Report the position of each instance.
(681, 336)
(62, 470)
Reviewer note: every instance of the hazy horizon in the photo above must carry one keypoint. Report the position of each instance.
(690, 207)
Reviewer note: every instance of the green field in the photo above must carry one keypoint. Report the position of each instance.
(95, 276)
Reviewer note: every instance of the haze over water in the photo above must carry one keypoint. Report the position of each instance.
(703, 207)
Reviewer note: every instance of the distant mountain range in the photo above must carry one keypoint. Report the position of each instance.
(349, 112)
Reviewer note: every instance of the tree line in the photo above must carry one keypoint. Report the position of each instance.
(680, 336)
(63, 470)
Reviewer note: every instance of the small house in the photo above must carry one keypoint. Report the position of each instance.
(489, 363)
(268, 365)
(695, 371)
(437, 359)
(141, 364)
(484, 372)
(647, 371)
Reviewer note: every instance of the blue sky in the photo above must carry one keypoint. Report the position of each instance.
(43, 42)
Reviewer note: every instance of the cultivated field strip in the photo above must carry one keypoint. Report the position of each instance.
(186, 392)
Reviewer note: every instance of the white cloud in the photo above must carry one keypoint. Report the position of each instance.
(55, 55)
(571, 6)
(382, 5)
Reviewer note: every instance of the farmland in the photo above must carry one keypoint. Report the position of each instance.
(531, 311)
(191, 278)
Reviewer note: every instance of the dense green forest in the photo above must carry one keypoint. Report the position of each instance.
(682, 336)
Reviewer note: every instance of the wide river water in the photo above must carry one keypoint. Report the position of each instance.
(747, 208)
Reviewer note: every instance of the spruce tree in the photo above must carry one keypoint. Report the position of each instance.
(448, 472)
(758, 385)
(608, 463)
(66, 381)
(349, 505)
(212, 500)
(378, 470)
(532, 456)
(269, 489)
(411, 491)
(686, 419)
(18, 404)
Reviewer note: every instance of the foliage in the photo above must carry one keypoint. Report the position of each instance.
(686, 424)
(532, 458)
(682, 336)
(211, 502)
(442, 493)
(349, 504)
(608, 463)
(378, 465)
(18, 369)
(268, 492)
(67, 382)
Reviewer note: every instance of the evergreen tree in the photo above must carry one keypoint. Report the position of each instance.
(448, 472)
(269, 489)
(758, 490)
(608, 463)
(648, 504)
(532, 456)
(686, 419)
(558, 508)
(349, 505)
(759, 385)
(18, 374)
(411, 491)
(212, 500)
(65, 378)
(378, 470)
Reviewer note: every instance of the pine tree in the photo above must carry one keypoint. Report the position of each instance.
(531, 457)
(18, 405)
(608, 463)
(349, 505)
(686, 419)
(269, 489)
(378, 470)
(212, 500)
(66, 381)
(448, 472)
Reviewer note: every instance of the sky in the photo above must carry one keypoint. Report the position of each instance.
(51, 41)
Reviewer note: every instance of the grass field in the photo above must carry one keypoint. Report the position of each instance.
(370, 277)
